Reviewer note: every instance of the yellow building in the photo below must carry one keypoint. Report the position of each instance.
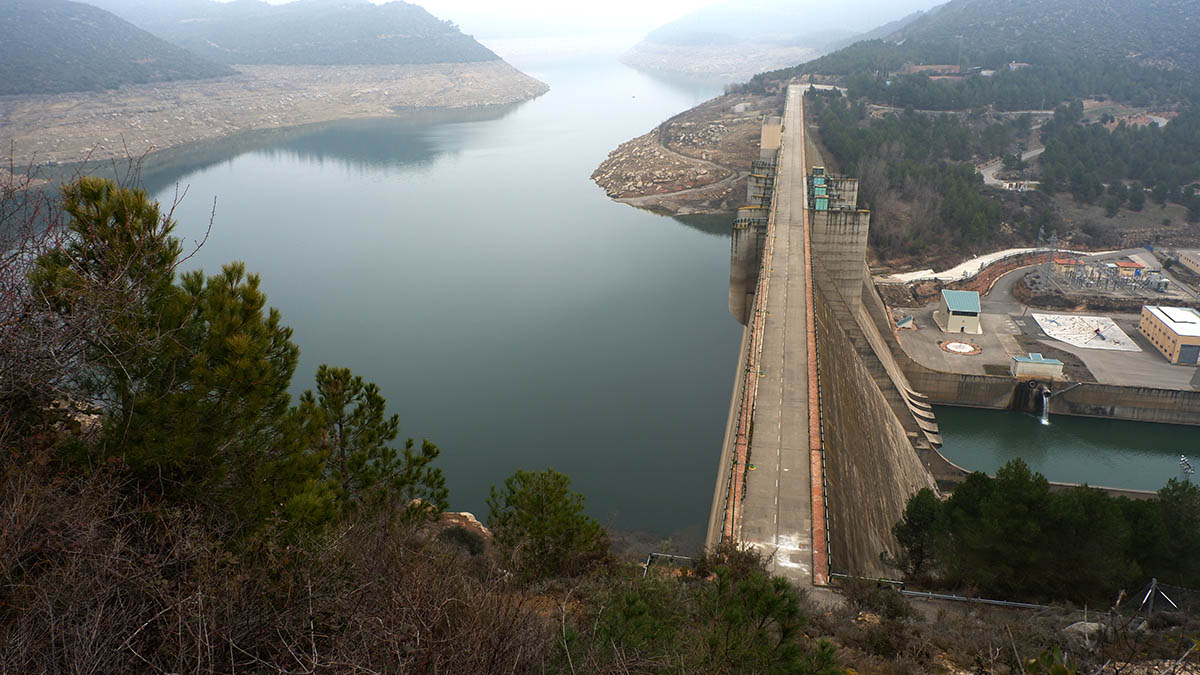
(1190, 260)
(1064, 266)
(1174, 331)
(1129, 269)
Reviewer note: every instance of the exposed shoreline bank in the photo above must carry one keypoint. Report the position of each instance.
(693, 163)
(134, 121)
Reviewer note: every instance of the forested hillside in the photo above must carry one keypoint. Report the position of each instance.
(1143, 53)
(1119, 167)
(916, 174)
(52, 46)
(1159, 33)
(307, 32)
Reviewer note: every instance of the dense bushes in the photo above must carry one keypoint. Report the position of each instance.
(742, 620)
(1011, 537)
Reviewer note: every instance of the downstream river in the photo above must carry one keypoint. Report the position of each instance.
(1108, 453)
(509, 311)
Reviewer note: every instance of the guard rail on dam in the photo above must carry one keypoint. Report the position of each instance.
(819, 455)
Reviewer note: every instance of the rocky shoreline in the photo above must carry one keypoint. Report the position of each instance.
(133, 121)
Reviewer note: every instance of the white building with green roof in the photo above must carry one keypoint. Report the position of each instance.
(959, 312)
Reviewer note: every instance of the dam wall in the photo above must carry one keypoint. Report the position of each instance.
(871, 468)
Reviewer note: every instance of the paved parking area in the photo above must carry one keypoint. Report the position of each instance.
(998, 343)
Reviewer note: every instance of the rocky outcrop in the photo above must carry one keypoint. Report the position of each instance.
(644, 167)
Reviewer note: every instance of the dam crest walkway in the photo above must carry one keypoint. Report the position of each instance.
(771, 475)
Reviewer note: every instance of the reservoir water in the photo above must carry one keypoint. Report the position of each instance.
(1109, 453)
(509, 311)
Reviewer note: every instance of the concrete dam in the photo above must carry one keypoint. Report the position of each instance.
(825, 435)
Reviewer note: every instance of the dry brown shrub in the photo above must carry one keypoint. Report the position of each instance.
(98, 577)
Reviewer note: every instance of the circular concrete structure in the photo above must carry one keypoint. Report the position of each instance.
(960, 348)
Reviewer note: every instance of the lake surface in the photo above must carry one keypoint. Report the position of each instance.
(1109, 453)
(509, 311)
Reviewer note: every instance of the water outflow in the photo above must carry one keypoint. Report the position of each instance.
(1045, 406)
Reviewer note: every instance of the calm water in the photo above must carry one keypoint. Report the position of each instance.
(509, 311)
(1110, 453)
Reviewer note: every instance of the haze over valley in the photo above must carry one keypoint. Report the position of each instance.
(729, 42)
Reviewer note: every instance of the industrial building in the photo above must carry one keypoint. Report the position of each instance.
(1129, 268)
(1174, 331)
(1190, 260)
(1036, 366)
(959, 312)
(1066, 266)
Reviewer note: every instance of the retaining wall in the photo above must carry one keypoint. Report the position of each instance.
(1143, 404)
(1137, 404)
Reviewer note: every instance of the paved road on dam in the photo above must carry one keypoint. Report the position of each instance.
(776, 514)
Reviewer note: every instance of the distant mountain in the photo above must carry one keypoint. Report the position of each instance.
(306, 32)
(53, 46)
(738, 38)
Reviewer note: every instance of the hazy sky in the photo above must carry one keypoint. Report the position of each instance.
(484, 16)
(533, 18)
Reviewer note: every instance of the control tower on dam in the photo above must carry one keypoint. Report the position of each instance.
(820, 449)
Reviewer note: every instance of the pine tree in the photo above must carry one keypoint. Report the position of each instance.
(357, 437)
(109, 286)
(540, 524)
(917, 532)
(1179, 504)
(192, 377)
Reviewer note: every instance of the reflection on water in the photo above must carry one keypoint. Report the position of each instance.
(1101, 452)
(716, 224)
(509, 310)
(392, 141)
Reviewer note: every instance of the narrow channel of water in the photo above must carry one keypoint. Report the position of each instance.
(508, 309)
(1109, 453)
